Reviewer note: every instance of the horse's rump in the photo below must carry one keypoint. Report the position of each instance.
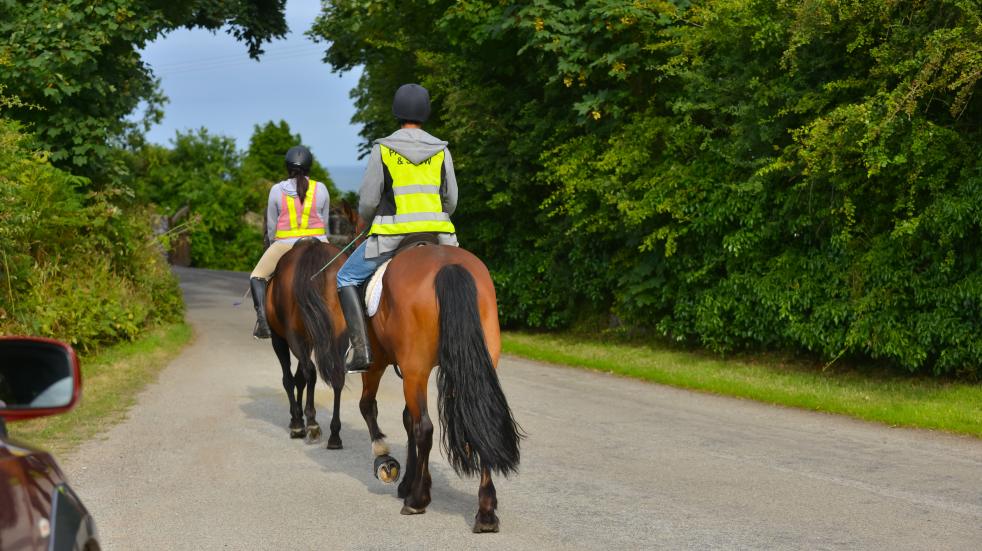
(300, 302)
(439, 307)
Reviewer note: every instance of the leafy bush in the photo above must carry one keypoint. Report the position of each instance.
(80, 62)
(74, 265)
(766, 174)
(224, 189)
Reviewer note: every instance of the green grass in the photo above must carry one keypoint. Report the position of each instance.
(111, 380)
(891, 399)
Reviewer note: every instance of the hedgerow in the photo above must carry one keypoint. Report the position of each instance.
(73, 264)
(737, 174)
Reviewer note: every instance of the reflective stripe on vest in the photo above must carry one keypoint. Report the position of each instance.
(416, 193)
(308, 226)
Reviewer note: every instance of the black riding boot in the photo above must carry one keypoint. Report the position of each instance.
(258, 286)
(359, 355)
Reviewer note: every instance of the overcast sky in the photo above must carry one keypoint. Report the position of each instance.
(211, 82)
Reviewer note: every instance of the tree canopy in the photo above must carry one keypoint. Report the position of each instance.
(264, 157)
(760, 173)
(224, 189)
(76, 66)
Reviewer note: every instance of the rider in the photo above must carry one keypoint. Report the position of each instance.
(409, 187)
(297, 208)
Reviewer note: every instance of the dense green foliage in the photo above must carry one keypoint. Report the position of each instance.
(78, 258)
(73, 265)
(797, 175)
(263, 160)
(78, 64)
(225, 190)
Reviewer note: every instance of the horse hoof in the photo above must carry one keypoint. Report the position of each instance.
(482, 526)
(313, 434)
(334, 443)
(407, 510)
(386, 469)
(298, 432)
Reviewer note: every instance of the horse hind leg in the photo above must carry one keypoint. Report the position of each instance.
(299, 383)
(487, 501)
(307, 377)
(334, 441)
(282, 349)
(414, 388)
(409, 478)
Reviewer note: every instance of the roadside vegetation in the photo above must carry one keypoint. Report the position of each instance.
(111, 380)
(86, 204)
(222, 190)
(734, 175)
(82, 195)
(893, 399)
(75, 264)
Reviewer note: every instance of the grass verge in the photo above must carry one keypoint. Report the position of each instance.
(890, 399)
(111, 379)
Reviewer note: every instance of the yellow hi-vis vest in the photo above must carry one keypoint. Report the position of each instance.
(411, 200)
(309, 223)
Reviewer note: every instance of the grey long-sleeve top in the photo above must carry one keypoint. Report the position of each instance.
(417, 145)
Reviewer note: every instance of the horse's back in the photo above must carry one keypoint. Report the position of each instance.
(281, 306)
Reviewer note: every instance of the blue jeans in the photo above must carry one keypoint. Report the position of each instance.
(357, 269)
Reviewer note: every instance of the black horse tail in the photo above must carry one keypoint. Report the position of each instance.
(316, 319)
(478, 427)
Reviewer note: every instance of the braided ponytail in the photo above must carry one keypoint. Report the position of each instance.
(302, 182)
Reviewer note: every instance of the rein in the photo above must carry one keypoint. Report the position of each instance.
(341, 252)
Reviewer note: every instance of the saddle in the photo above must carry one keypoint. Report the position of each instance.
(373, 288)
(306, 241)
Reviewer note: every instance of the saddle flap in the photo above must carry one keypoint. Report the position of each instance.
(373, 290)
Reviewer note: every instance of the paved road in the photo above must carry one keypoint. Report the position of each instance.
(204, 462)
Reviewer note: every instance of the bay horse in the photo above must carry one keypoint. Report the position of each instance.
(299, 312)
(438, 308)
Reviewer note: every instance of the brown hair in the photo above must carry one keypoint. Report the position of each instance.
(302, 182)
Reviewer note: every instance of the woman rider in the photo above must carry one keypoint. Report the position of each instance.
(409, 187)
(297, 208)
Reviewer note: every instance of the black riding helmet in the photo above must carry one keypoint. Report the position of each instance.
(299, 157)
(411, 103)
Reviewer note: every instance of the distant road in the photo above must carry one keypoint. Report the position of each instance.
(204, 462)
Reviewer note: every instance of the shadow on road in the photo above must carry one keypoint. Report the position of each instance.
(355, 460)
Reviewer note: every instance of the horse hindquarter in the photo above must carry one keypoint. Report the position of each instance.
(478, 427)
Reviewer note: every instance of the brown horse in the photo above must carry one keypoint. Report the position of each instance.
(438, 308)
(299, 310)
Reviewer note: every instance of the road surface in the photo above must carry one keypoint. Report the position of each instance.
(204, 462)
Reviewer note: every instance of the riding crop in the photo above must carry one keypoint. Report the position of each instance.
(341, 252)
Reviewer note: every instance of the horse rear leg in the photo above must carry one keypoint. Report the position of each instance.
(306, 377)
(487, 502)
(282, 349)
(421, 434)
(334, 441)
(386, 467)
(409, 478)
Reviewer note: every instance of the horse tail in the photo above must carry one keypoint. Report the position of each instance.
(309, 294)
(478, 427)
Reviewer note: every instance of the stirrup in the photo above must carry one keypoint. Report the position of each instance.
(348, 356)
(259, 334)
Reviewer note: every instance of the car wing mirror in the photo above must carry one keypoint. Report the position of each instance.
(38, 377)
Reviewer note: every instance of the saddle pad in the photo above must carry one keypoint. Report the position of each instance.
(373, 292)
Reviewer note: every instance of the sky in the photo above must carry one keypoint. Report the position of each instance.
(211, 82)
